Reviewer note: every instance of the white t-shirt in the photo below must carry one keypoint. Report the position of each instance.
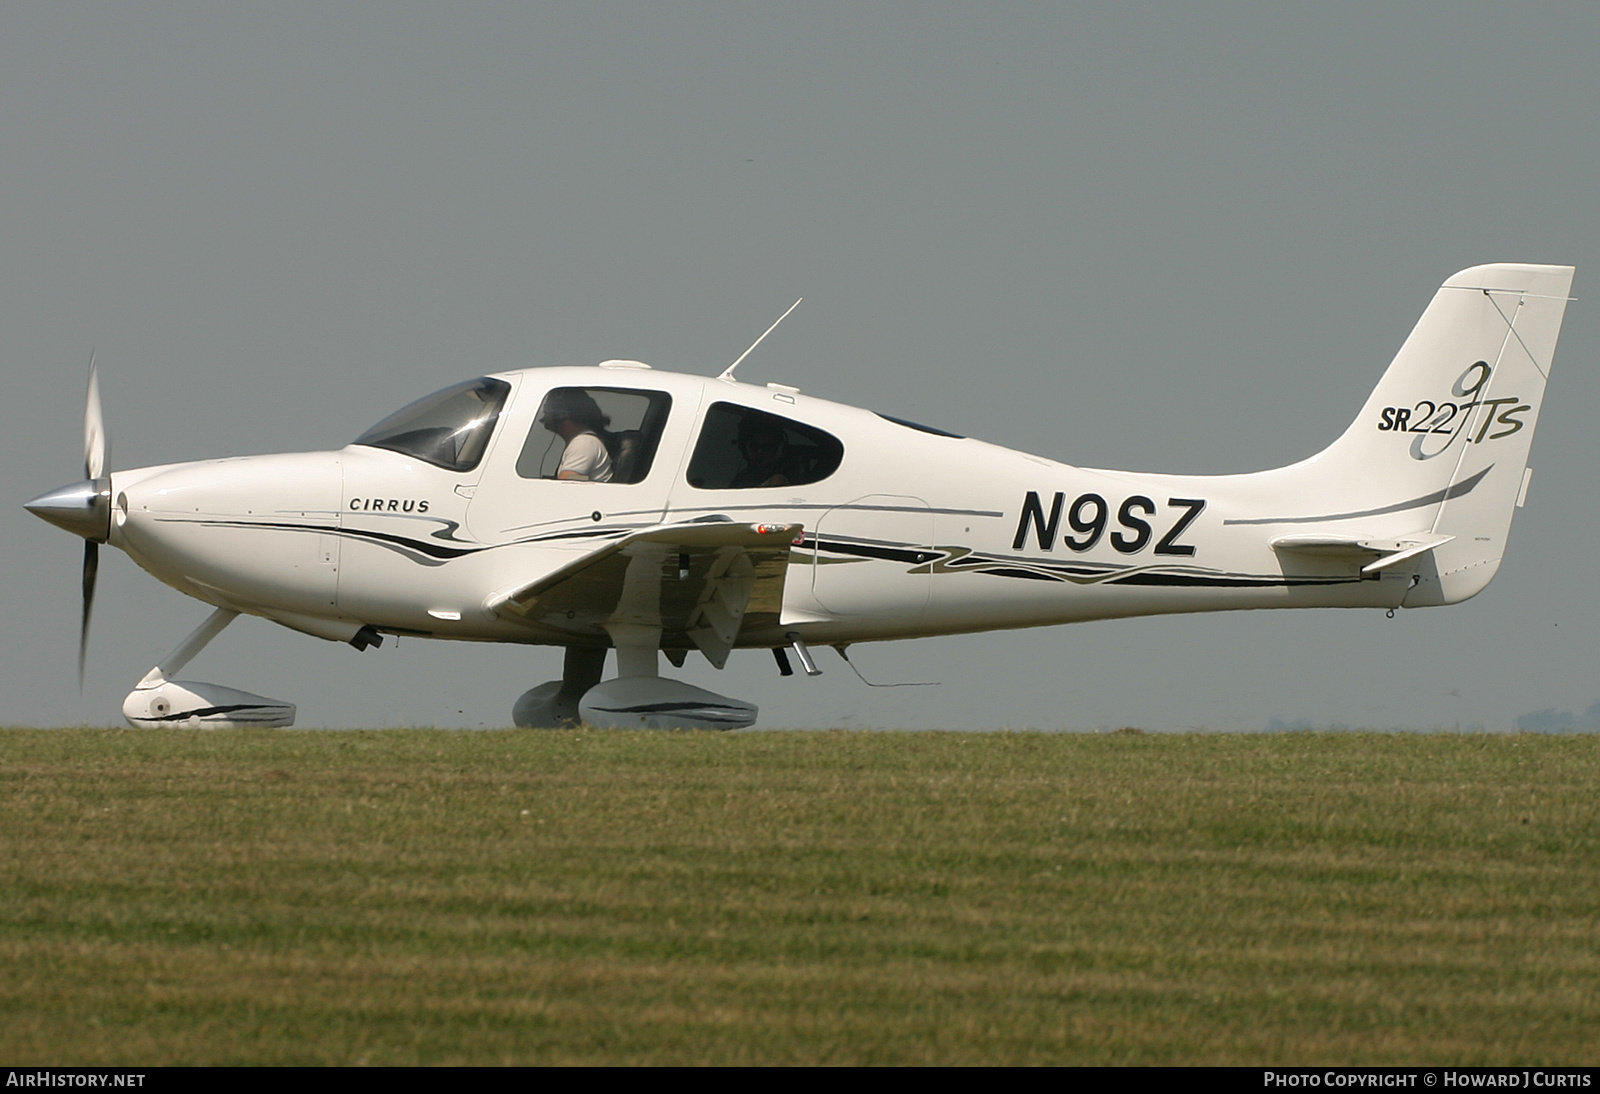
(586, 457)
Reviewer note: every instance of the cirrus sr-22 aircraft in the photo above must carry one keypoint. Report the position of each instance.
(618, 507)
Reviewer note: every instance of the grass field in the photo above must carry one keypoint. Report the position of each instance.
(423, 897)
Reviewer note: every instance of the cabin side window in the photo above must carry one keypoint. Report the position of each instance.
(449, 429)
(595, 434)
(741, 448)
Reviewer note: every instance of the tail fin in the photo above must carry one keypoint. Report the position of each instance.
(1439, 454)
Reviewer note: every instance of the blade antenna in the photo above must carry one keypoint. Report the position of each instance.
(727, 373)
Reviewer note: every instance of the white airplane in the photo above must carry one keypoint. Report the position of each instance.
(617, 507)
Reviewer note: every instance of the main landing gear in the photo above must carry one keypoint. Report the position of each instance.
(637, 698)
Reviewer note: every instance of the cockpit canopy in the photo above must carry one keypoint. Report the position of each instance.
(449, 429)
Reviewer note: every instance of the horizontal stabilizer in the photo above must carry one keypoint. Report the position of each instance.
(1389, 552)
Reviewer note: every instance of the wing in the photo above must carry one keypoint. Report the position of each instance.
(701, 583)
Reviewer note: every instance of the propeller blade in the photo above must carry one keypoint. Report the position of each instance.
(91, 571)
(94, 428)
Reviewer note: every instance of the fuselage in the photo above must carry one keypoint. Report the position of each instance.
(907, 531)
(620, 508)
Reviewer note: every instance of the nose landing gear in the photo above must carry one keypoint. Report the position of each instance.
(158, 702)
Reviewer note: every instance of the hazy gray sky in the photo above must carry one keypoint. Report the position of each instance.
(1157, 237)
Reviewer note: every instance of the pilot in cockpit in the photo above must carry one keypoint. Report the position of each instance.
(574, 416)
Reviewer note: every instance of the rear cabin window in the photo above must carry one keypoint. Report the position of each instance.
(745, 449)
(595, 434)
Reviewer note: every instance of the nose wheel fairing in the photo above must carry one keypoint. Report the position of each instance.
(193, 704)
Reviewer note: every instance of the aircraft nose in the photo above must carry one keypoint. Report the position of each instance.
(83, 508)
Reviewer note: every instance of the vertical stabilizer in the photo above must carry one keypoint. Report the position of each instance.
(1441, 446)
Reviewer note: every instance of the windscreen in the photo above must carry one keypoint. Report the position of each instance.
(449, 429)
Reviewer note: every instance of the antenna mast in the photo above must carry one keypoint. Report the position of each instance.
(727, 373)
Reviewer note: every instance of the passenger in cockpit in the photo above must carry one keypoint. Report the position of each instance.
(762, 444)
